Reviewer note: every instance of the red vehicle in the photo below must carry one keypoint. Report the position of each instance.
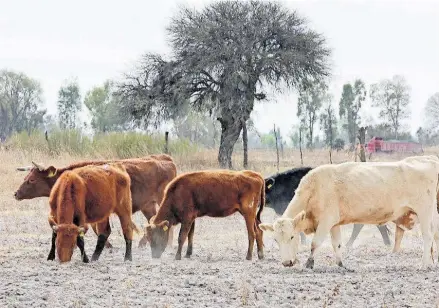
(377, 144)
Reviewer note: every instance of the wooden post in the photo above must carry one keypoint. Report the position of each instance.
(166, 143)
(277, 148)
(245, 143)
(362, 140)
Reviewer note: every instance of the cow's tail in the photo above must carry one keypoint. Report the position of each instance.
(261, 204)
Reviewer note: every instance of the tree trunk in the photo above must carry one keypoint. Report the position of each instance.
(230, 130)
(300, 146)
(362, 140)
(245, 143)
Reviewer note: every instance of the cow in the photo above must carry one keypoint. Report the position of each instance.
(279, 191)
(149, 177)
(213, 193)
(369, 193)
(88, 195)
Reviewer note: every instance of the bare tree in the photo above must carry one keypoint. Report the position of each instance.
(308, 106)
(392, 96)
(224, 56)
(431, 112)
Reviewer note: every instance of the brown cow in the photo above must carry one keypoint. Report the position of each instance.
(89, 195)
(214, 193)
(149, 177)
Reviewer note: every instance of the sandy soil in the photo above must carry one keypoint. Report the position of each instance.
(217, 275)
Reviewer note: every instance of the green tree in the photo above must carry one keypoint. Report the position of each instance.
(20, 103)
(350, 104)
(392, 96)
(104, 106)
(224, 57)
(69, 104)
(309, 103)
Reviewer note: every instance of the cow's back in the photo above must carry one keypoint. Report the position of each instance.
(282, 192)
(366, 189)
(212, 193)
(148, 180)
(106, 186)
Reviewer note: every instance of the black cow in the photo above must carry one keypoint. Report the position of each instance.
(280, 188)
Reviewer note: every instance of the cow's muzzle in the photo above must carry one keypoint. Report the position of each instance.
(16, 196)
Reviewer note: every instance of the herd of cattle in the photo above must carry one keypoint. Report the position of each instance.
(310, 200)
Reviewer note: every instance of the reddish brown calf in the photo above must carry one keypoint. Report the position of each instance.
(149, 177)
(89, 195)
(208, 193)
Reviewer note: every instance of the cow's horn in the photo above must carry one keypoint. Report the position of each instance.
(39, 167)
(24, 168)
(55, 228)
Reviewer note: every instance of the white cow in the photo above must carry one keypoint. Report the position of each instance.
(367, 193)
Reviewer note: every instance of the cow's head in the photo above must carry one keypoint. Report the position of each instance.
(66, 236)
(37, 183)
(286, 234)
(157, 235)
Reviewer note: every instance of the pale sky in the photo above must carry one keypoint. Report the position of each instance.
(95, 40)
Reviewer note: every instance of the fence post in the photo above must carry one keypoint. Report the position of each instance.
(166, 142)
(277, 147)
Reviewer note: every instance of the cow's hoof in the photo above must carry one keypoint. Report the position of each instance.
(249, 257)
(178, 257)
(130, 258)
(50, 258)
(345, 268)
(310, 263)
(260, 255)
(85, 259)
(288, 263)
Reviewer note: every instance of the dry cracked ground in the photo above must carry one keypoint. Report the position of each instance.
(217, 275)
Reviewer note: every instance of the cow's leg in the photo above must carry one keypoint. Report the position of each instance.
(51, 256)
(127, 228)
(425, 220)
(384, 230)
(399, 233)
(80, 244)
(104, 231)
(302, 238)
(436, 239)
(355, 231)
(107, 243)
(322, 230)
(250, 221)
(259, 240)
(336, 245)
(190, 240)
(184, 231)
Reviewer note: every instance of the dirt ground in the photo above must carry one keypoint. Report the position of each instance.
(217, 275)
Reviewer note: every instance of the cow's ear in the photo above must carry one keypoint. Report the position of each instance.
(266, 227)
(51, 171)
(299, 218)
(269, 183)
